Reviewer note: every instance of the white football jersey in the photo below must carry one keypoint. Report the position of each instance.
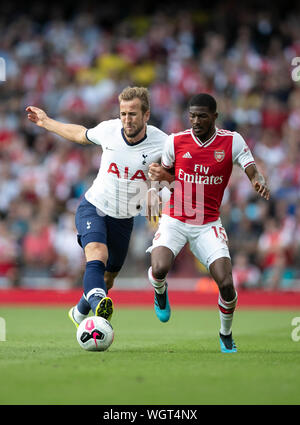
(120, 187)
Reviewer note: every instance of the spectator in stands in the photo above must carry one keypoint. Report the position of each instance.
(8, 257)
(74, 66)
(274, 247)
(245, 275)
(38, 249)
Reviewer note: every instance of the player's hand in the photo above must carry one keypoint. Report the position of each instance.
(158, 173)
(260, 186)
(154, 171)
(153, 207)
(36, 115)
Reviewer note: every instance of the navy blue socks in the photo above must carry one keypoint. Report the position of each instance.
(83, 306)
(93, 283)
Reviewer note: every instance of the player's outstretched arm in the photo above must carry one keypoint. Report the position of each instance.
(258, 181)
(73, 132)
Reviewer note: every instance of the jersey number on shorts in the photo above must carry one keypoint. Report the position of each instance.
(220, 232)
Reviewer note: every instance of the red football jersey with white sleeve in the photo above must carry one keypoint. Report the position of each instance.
(202, 172)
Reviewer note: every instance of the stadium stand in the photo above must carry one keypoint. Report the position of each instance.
(72, 60)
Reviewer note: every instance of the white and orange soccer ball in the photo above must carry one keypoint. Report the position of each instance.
(95, 334)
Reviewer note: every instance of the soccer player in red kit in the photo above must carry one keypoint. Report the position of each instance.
(202, 157)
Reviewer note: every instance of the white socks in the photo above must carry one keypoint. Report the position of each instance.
(226, 309)
(78, 316)
(158, 284)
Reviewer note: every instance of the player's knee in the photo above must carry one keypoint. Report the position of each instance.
(159, 269)
(96, 251)
(161, 261)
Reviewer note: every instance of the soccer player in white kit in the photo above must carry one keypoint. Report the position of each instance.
(203, 157)
(104, 218)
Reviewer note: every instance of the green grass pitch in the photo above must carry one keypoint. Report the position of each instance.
(149, 362)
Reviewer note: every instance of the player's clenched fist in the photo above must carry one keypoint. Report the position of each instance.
(160, 174)
(155, 172)
(36, 115)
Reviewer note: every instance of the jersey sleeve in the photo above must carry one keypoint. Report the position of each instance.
(98, 134)
(241, 154)
(158, 139)
(168, 155)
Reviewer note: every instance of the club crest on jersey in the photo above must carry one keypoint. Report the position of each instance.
(219, 155)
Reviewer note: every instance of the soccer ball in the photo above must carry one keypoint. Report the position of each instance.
(95, 334)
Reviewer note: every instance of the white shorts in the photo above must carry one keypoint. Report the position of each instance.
(208, 242)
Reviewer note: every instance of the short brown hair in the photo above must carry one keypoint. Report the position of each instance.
(142, 93)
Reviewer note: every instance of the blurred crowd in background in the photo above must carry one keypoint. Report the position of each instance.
(74, 61)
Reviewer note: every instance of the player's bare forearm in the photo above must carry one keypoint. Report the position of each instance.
(72, 132)
(167, 175)
(258, 181)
